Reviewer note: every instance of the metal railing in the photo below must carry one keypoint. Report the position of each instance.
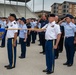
(16, 11)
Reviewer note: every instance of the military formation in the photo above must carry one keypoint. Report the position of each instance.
(53, 33)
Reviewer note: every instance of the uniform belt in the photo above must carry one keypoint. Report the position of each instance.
(10, 38)
(49, 40)
(69, 37)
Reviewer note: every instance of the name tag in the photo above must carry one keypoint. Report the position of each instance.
(52, 26)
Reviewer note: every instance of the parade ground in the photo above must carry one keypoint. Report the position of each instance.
(34, 63)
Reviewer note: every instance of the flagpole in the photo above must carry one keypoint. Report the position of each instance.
(4, 8)
(43, 6)
(33, 5)
(25, 8)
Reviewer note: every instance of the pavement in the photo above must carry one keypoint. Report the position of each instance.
(34, 63)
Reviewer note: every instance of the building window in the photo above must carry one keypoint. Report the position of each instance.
(67, 6)
(54, 11)
(54, 7)
(67, 10)
(64, 6)
(64, 11)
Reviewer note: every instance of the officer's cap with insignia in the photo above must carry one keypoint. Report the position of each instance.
(70, 16)
(51, 15)
(13, 15)
(23, 19)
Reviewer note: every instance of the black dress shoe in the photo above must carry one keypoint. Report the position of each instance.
(49, 72)
(56, 57)
(41, 52)
(6, 66)
(69, 65)
(45, 70)
(28, 45)
(9, 67)
(2, 46)
(21, 57)
(39, 44)
(13, 67)
(33, 42)
(65, 64)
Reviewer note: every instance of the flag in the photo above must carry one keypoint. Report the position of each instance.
(2, 32)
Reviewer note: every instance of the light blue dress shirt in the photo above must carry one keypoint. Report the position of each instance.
(23, 31)
(69, 29)
(33, 24)
(39, 25)
(4, 24)
(1, 23)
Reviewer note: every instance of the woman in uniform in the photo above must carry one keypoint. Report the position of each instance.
(23, 37)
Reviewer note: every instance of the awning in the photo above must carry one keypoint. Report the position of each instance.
(20, 0)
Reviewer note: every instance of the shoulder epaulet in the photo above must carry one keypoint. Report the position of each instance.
(14, 22)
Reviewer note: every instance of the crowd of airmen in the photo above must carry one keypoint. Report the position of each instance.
(51, 30)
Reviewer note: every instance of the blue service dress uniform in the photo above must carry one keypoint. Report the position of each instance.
(60, 45)
(28, 35)
(69, 30)
(1, 23)
(52, 30)
(42, 35)
(33, 24)
(22, 38)
(10, 48)
(39, 26)
(4, 38)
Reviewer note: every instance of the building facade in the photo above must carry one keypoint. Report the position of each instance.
(64, 8)
(42, 12)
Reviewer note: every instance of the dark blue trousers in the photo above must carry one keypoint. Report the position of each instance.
(23, 48)
(4, 40)
(56, 52)
(33, 36)
(11, 53)
(49, 55)
(70, 50)
(40, 38)
(43, 42)
(28, 40)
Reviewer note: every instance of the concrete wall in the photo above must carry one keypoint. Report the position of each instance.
(20, 12)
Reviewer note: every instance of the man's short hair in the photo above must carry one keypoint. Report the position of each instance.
(51, 15)
(13, 15)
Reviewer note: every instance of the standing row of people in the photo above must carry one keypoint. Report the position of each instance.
(56, 31)
(52, 32)
(18, 27)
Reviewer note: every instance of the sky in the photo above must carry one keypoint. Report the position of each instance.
(48, 3)
(38, 4)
